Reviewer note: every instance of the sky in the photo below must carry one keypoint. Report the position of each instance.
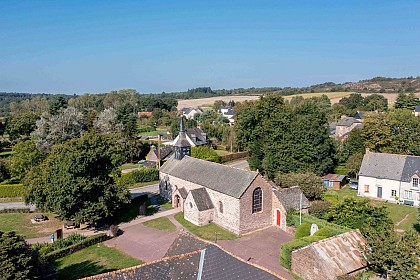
(77, 47)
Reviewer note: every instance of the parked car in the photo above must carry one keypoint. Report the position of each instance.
(354, 185)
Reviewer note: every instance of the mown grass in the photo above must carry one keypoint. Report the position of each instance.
(397, 212)
(207, 232)
(21, 224)
(93, 260)
(162, 223)
(143, 184)
(129, 166)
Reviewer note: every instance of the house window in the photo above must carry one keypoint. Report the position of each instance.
(166, 185)
(257, 200)
(408, 194)
(190, 205)
(366, 188)
(415, 183)
(393, 193)
(220, 207)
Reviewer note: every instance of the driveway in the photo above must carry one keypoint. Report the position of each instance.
(262, 248)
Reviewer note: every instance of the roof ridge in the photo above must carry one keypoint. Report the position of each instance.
(219, 164)
(392, 154)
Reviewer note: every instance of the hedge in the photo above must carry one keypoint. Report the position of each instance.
(303, 230)
(76, 247)
(286, 251)
(234, 156)
(15, 210)
(15, 190)
(138, 176)
(323, 232)
(293, 220)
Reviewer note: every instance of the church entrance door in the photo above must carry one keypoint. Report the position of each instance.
(278, 218)
(176, 203)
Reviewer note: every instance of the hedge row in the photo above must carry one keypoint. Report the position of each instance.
(15, 210)
(234, 156)
(76, 247)
(15, 190)
(287, 248)
(293, 220)
(138, 176)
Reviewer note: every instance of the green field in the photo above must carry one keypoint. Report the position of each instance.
(93, 260)
(21, 224)
(330, 95)
(404, 217)
(161, 224)
(207, 232)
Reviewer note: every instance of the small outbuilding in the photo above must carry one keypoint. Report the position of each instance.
(334, 181)
(330, 258)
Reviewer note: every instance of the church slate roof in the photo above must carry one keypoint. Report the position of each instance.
(197, 136)
(202, 199)
(164, 151)
(290, 198)
(347, 121)
(182, 261)
(389, 166)
(183, 192)
(227, 180)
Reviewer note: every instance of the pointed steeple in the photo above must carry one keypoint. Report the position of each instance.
(182, 146)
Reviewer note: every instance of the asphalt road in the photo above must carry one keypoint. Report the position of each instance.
(243, 164)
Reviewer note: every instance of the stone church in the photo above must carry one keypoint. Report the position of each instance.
(238, 200)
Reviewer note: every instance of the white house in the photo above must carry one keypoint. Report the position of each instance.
(189, 113)
(391, 177)
(227, 112)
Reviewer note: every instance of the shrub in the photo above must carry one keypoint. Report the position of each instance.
(290, 217)
(46, 248)
(319, 208)
(15, 190)
(303, 230)
(206, 153)
(313, 238)
(138, 176)
(323, 232)
(15, 210)
(335, 229)
(330, 196)
(286, 251)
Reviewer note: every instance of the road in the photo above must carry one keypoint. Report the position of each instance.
(243, 164)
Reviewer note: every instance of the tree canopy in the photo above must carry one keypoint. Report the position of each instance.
(74, 180)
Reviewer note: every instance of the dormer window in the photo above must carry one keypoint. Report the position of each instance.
(415, 183)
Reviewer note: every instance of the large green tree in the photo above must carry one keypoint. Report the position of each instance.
(21, 125)
(310, 184)
(17, 259)
(74, 180)
(285, 138)
(25, 157)
(406, 101)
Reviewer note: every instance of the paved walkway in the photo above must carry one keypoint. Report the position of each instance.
(148, 218)
(262, 248)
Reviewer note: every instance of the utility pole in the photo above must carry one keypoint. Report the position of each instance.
(300, 209)
(158, 151)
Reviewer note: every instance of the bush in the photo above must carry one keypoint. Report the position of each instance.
(323, 232)
(303, 230)
(319, 208)
(46, 248)
(15, 210)
(330, 196)
(335, 229)
(313, 238)
(286, 251)
(15, 190)
(205, 153)
(75, 247)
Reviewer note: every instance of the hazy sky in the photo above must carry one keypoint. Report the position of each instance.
(154, 46)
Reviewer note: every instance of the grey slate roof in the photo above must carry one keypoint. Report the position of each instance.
(164, 151)
(389, 166)
(228, 180)
(360, 115)
(290, 198)
(148, 163)
(347, 121)
(182, 261)
(197, 136)
(417, 109)
(202, 199)
(183, 192)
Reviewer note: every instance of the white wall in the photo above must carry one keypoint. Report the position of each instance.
(230, 217)
(387, 187)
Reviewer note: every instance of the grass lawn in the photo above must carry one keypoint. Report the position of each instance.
(139, 185)
(21, 224)
(161, 224)
(222, 152)
(93, 260)
(206, 232)
(150, 133)
(397, 212)
(128, 166)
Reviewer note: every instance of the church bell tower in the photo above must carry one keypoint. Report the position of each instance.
(182, 146)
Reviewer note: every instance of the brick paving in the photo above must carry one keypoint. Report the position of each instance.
(261, 248)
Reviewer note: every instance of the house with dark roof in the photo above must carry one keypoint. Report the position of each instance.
(391, 177)
(191, 258)
(227, 112)
(195, 137)
(238, 200)
(161, 153)
(345, 125)
(417, 111)
(340, 255)
(189, 113)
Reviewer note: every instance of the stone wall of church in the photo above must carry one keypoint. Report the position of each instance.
(191, 213)
(253, 221)
(172, 184)
(228, 218)
(283, 214)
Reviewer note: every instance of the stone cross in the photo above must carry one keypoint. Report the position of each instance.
(314, 228)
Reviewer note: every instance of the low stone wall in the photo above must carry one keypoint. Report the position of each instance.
(234, 156)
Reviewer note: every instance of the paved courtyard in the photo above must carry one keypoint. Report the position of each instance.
(262, 248)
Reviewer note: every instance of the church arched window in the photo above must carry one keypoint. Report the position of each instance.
(257, 200)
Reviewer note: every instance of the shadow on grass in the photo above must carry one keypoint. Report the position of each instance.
(417, 227)
(79, 270)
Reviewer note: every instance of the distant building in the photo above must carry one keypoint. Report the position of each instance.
(334, 181)
(162, 153)
(340, 255)
(390, 176)
(417, 111)
(195, 137)
(346, 125)
(227, 112)
(189, 113)
(144, 114)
